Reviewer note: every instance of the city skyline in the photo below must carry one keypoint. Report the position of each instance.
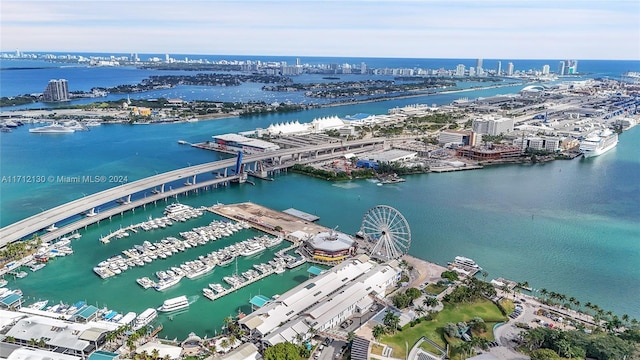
(434, 29)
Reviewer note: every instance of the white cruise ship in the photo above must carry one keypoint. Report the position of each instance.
(180, 302)
(54, 128)
(598, 143)
(145, 318)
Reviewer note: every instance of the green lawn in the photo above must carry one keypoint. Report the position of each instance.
(434, 289)
(434, 329)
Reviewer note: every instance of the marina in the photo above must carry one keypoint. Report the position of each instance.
(521, 250)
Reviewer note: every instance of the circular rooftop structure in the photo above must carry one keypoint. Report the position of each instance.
(330, 246)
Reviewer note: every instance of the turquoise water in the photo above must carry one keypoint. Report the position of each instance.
(568, 226)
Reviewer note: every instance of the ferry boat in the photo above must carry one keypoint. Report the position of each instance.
(145, 318)
(178, 303)
(54, 128)
(598, 143)
(465, 263)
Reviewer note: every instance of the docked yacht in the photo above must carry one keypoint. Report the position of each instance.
(178, 303)
(465, 262)
(208, 293)
(296, 262)
(176, 208)
(252, 248)
(145, 318)
(54, 128)
(167, 282)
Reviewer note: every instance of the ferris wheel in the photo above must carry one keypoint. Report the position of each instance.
(386, 233)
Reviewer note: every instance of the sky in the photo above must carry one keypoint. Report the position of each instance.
(538, 29)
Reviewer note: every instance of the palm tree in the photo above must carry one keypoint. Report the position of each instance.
(378, 331)
(464, 348)
(391, 320)
(544, 292)
(484, 275)
(420, 311)
(625, 318)
(350, 336)
(430, 301)
(155, 354)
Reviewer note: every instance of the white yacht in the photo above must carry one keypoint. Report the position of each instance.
(208, 293)
(176, 208)
(466, 263)
(54, 128)
(167, 283)
(598, 143)
(145, 318)
(180, 302)
(252, 248)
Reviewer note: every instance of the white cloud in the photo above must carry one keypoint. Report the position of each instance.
(526, 29)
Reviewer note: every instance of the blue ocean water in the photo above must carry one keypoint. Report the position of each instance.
(568, 226)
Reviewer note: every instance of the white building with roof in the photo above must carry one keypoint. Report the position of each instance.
(322, 302)
(24, 353)
(233, 143)
(66, 337)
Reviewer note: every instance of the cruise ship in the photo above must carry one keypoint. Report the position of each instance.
(598, 143)
(145, 318)
(54, 128)
(180, 302)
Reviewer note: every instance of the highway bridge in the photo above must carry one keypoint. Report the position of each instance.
(86, 206)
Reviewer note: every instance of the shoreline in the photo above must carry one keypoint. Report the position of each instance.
(209, 117)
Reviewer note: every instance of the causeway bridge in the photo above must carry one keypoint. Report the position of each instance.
(80, 213)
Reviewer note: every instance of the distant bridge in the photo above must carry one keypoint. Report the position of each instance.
(87, 205)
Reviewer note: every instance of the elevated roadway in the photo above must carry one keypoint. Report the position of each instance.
(87, 204)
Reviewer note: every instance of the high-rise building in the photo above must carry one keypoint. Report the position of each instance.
(472, 71)
(545, 69)
(57, 90)
(499, 69)
(363, 68)
(561, 68)
(460, 70)
(479, 69)
(510, 69)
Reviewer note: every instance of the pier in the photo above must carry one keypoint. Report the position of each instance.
(240, 286)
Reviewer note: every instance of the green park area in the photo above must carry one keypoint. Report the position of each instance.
(433, 326)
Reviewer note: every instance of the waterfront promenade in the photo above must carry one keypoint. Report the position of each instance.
(87, 204)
